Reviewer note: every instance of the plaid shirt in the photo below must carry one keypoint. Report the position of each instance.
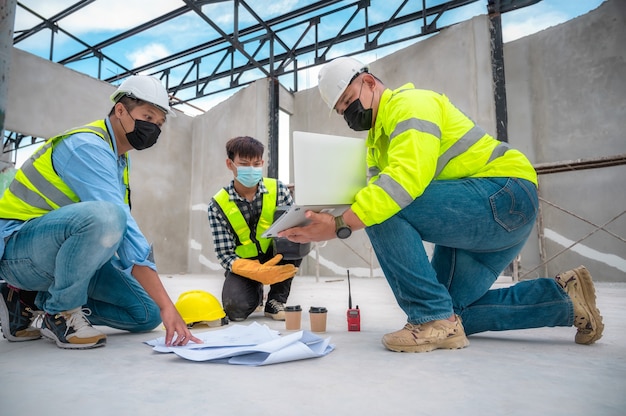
(223, 237)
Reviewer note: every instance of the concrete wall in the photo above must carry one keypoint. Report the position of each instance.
(161, 193)
(565, 90)
(457, 63)
(45, 99)
(243, 114)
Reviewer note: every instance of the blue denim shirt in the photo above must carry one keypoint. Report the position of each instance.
(95, 173)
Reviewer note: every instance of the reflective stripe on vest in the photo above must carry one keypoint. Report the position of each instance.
(33, 193)
(460, 146)
(44, 187)
(471, 137)
(416, 124)
(249, 244)
(395, 191)
(413, 140)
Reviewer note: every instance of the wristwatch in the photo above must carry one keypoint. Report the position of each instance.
(342, 229)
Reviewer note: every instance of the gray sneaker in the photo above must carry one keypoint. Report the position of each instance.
(72, 330)
(578, 285)
(440, 334)
(275, 310)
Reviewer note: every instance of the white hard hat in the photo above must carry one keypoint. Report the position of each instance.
(145, 88)
(335, 76)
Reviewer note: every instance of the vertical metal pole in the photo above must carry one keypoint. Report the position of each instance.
(272, 147)
(497, 63)
(7, 21)
(274, 108)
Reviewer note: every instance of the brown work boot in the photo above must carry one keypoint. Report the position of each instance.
(578, 285)
(426, 337)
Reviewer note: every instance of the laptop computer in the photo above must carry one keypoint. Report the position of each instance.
(328, 172)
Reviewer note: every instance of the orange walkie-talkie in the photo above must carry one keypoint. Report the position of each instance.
(354, 315)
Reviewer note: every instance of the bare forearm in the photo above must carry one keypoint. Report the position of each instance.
(176, 331)
(352, 220)
(149, 280)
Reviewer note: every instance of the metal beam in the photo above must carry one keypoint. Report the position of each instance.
(273, 48)
(48, 23)
(319, 48)
(242, 39)
(580, 164)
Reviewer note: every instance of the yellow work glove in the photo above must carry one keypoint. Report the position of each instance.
(267, 273)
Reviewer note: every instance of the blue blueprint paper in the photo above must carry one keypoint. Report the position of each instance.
(253, 345)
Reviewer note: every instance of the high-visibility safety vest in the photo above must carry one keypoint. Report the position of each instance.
(420, 136)
(250, 244)
(37, 189)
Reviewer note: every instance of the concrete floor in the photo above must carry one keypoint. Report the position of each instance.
(530, 372)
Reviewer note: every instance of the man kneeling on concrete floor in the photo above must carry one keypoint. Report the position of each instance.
(439, 177)
(73, 256)
(239, 214)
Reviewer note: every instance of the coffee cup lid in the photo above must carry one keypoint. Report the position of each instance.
(317, 309)
(293, 308)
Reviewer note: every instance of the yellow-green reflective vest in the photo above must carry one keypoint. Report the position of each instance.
(420, 136)
(250, 244)
(37, 189)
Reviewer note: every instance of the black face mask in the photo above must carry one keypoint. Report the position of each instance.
(357, 117)
(144, 135)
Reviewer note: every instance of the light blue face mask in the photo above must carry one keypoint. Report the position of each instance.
(249, 176)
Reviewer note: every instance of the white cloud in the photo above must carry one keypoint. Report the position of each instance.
(46, 9)
(547, 13)
(529, 24)
(110, 15)
(147, 54)
(279, 7)
(201, 105)
(222, 13)
(308, 78)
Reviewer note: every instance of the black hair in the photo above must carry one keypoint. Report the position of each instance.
(244, 146)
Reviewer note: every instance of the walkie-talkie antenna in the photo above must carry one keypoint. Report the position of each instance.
(349, 292)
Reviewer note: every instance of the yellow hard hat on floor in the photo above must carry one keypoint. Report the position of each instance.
(199, 306)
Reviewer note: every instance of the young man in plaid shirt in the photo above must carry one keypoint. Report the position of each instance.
(238, 214)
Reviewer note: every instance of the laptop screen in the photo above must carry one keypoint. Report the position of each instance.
(328, 169)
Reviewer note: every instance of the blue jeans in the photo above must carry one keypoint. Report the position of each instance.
(478, 226)
(66, 257)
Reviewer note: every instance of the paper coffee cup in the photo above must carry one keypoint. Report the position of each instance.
(317, 315)
(293, 317)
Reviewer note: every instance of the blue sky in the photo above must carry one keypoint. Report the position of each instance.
(106, 18)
